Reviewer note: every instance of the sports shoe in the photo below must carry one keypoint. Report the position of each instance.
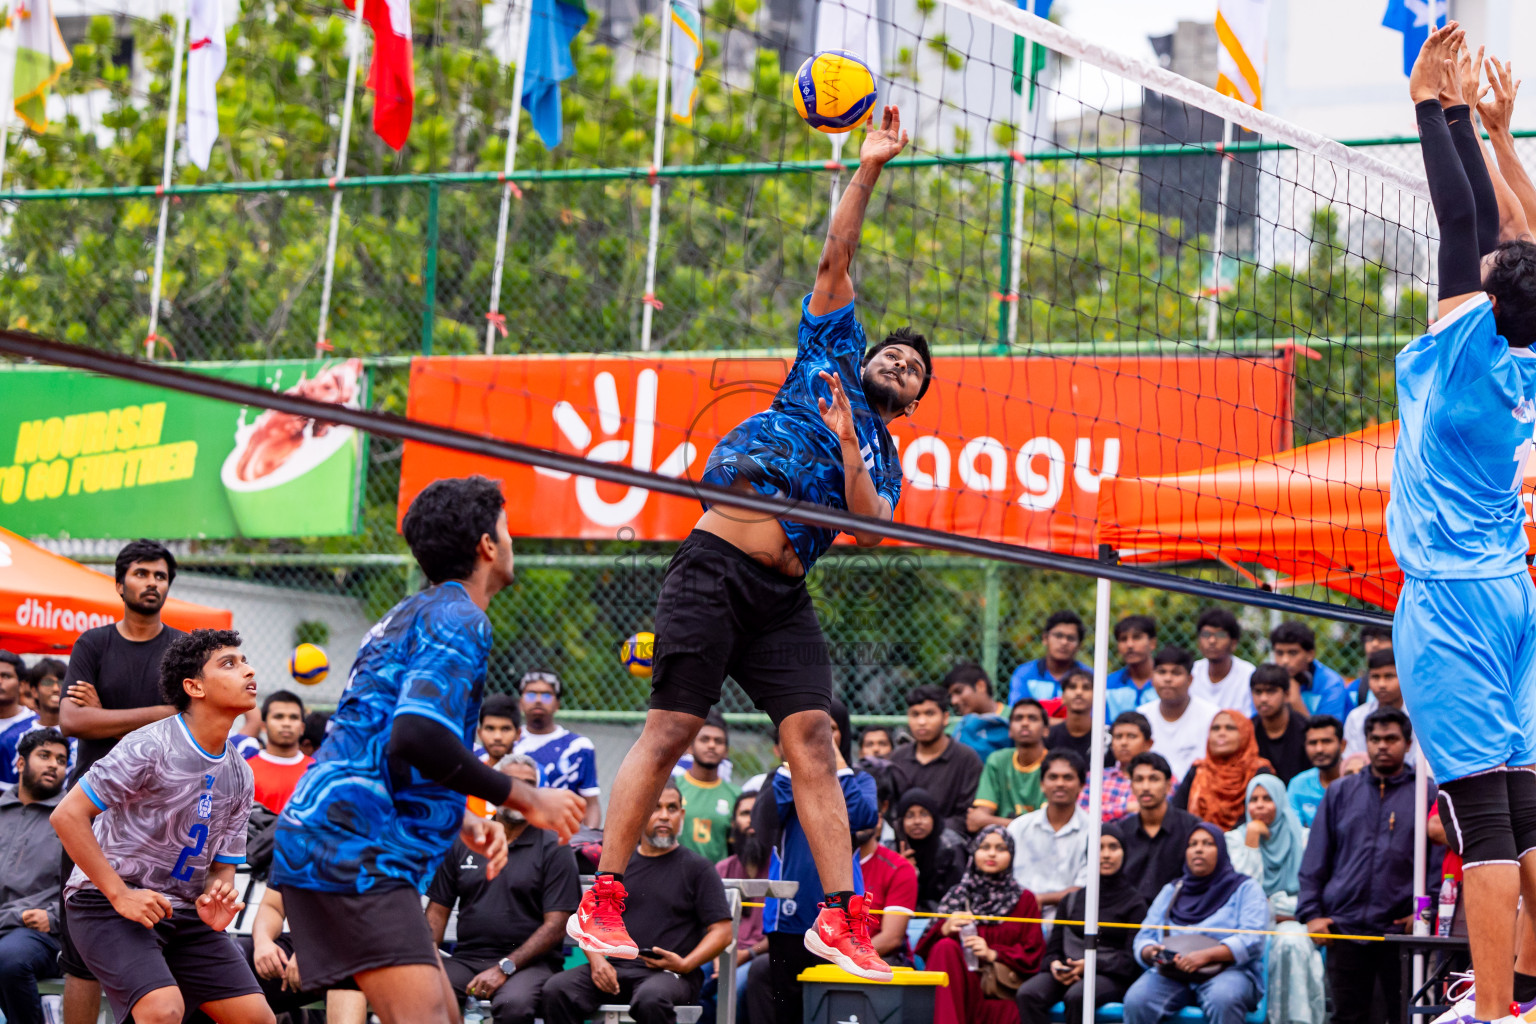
(1461, 993)
(598, 924)
(1525, 1013)
(843, 938)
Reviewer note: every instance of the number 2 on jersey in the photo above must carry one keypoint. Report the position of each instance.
(198, 833)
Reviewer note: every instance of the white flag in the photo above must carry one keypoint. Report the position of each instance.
(1242, 35)
(205, 63)
(851, 25)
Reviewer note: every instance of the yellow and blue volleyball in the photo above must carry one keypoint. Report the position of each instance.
(308, 664)
(834, 91)
(638, 654)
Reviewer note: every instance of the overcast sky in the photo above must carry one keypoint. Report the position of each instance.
(1126, 24)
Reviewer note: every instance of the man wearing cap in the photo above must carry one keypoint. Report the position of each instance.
(567, 759)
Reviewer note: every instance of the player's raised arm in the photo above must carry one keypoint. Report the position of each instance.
(1499, 216)
(834, 286)
(1449, 188)
(1497, 111)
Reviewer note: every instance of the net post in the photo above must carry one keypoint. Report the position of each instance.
(1101, 632)
(658, 155)
(1213, 314)
(520, 34)
(991, 619)
(1023, 102)
(837, 173)
(1420, 858)
(429, 273)
(157, 280)
(354, 46)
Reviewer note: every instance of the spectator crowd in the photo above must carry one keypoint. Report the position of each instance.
(1271, 798)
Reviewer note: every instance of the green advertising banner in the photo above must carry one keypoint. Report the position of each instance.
(89, 456)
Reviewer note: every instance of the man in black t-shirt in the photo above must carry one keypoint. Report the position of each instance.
(1280, 729)
(510, 928)
(675, 904)
(112, 687)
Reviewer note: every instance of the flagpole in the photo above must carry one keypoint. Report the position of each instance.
(354, 45)
(157, 280)
(658, 155)
(1022, 104)
(1213, 313)
(523, 24)
(1102, 602)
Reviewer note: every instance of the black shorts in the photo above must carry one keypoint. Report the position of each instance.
(721, 613)
(69, 957)
(339, 935)
(181, 951)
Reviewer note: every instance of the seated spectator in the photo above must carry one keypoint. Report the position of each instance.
(1357, 875)
(568, 759)
(1268, 848)
(1215, 788)
(1281, 732)
(512, 926)
(1061, 979)
(16, 719)
(1008, 951)
(1372, 639)
(1131, 735)
(1209, 894)
(948, 770)
(707, 797)
(890, 886)
(1385, 692)
(1156, 833)
(1220, 676)
(937, 853)
(1042, 678)
(1180, 723)
(1135, 640)
(984, 718)
(1325, 749)
(315, 724)
(269, 951)
(748, 859)
(30, 853)
(1052, 841)
(876, 741)
(1010, 780)
(277, 766)
(501, 724)
(678, 916)
(1316, 689)
(47, 691)
(1076, 733)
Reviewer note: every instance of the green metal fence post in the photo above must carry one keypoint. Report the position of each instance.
(429, 275)
(991, 619)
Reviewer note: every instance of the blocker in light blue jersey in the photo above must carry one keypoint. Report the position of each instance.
(1465, 626)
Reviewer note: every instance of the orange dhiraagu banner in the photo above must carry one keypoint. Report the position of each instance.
(1006, 448)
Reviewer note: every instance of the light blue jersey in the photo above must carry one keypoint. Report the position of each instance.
(1466, 402)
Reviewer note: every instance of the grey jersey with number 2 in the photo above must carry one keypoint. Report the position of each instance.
(169, 810)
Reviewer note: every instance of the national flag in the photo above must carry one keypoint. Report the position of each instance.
(551, 28)
(687, 57)
(852, 25)
(1242, 49)
(390, 74)
(1415, 19)
(205, 63)
(41, 57)
(1037, 53)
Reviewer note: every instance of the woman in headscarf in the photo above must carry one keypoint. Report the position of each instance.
(1268, 848)
(1006, 951)
(1216, 785)
(1061, 979)
(938, 854)
(1219, 970)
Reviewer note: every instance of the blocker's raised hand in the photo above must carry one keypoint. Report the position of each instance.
(883, 143)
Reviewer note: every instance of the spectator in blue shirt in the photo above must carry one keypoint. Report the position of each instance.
(1316, 689)
(1130, 685)
(1325, 749)
(982, 719)
(1042, 678)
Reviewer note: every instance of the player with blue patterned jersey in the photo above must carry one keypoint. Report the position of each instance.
(371, 820)
(734, 600)
(1465, 624)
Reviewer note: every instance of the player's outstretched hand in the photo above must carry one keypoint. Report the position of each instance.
(1499, 110)
(219, 905)
(838, 415)
(143, 906)
(489, 840)
(1470, 70)
(558, 810)
(883, 143)
(1424, 81)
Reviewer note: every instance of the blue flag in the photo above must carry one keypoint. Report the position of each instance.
(554, 23)
(1415, 19)
(1042, 8)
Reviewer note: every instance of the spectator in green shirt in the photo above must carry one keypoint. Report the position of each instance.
(707, 798)
(1010, 780)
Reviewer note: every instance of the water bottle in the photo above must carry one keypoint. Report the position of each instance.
(966, 931)
(1446, 913)
(475, 1012)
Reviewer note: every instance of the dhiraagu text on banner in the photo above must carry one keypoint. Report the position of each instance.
(89, 456)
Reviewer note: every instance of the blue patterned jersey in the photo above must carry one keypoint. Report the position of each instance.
(789, 452)
(356, 820)
(1466, 402)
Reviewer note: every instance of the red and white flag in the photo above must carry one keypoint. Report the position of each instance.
(390, 75)
(205, 63)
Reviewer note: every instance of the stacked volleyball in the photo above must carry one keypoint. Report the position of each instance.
(834, 91)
